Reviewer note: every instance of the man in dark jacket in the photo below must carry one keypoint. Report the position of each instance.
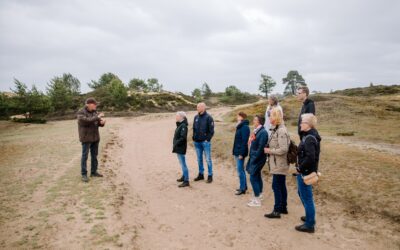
(203, 131)
(89, 122)
(308, 105)
(180, 146)
(241, 150)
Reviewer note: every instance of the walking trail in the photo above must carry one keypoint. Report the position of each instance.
(209, 216)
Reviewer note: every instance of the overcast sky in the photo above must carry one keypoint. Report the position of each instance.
(333, 44)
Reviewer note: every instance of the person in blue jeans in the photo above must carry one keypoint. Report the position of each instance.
(258, 141)
(203, 131)
(307, 163)
(89, 121)
(180, 146)
(241, 150)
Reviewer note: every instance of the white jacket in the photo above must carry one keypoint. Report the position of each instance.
(267, 124)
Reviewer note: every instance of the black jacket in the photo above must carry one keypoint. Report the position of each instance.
(180, 137)
(257, 156)
(308, 152)
(308, 107)
(242, 134)
(203, 127)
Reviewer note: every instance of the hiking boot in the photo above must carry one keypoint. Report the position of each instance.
(184, 184)
(180, 179)
(303, 228)
(240, 192)
(273, 215)
(199, 177)
(303, 218)
(96, 175)
(209, 179)
(84, 178)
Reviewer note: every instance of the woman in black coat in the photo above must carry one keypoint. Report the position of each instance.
(307, 163)
(180, 146)
(241, 150)
(258, 141)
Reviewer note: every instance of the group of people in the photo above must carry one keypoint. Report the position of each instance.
(268, 142)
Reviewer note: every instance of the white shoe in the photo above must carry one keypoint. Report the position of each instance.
(261, 197)
(255, 202)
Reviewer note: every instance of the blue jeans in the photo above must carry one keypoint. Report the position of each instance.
(93, 147)
(280, 192)
(257, 183)
(185, 170)
(241, 173)
(306, 196)
(204, 147)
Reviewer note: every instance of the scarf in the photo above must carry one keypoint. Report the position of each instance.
(253, 135)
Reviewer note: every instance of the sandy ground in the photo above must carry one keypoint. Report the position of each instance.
(209, 216)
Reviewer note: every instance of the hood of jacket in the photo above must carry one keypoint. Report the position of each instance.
(314, 133)
(182, 122)
(243, 123)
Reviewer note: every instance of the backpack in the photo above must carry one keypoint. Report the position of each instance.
(292, 153)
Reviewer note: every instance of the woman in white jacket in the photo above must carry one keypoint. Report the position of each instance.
(272, 103)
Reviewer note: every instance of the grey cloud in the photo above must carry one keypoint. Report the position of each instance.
(184, 43)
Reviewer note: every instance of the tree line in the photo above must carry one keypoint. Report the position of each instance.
(63, 93)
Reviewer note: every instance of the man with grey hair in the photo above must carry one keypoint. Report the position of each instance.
(89, 122)
(180, 146)
(203, 131)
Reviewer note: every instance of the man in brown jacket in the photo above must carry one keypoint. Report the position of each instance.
(89, 122)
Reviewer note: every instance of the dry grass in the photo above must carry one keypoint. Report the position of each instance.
(41, 192)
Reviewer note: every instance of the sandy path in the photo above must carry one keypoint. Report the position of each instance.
(366, 145)
(207, 216)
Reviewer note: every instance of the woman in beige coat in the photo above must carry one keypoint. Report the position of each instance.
(277, 149)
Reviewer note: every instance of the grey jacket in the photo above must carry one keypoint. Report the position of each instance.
(279, 146)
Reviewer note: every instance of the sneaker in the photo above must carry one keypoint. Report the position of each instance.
(180, 179)
(209, 179)
(255, 202)
(261, 197)
(96, 175)
(273, 215)
(184, 184)
(303, 228)
(84, 178)
(199, 177)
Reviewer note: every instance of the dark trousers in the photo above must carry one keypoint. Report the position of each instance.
(257, 183)
(280, 192)
(93, 147)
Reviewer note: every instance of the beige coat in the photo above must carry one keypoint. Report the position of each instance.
(279, 146)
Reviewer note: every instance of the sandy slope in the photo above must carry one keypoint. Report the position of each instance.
(208, 216)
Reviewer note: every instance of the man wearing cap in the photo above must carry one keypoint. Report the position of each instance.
(89, 122)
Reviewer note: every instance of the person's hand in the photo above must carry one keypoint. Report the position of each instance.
(240, 157)
(101, 115)
(102, 121)
(267, 150)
